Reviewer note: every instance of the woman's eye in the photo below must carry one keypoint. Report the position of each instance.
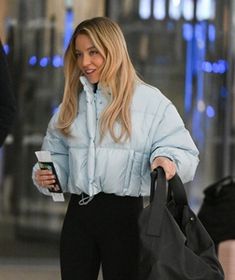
(94, 52)
(78, 55)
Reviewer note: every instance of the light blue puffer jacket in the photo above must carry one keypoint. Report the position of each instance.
(84, 164)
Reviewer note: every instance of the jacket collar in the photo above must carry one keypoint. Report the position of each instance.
(87, 85)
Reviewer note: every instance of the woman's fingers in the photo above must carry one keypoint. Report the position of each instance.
(167, 164)
(44, 178)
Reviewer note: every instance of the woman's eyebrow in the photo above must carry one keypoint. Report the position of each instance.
(89, 48)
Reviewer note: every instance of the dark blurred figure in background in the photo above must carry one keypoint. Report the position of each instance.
(7, 98)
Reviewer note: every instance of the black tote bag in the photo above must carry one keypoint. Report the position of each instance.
(217, 211)
(174, 243)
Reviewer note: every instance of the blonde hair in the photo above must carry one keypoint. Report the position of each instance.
(118, 76)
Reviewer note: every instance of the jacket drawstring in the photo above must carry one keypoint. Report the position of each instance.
(85, 199)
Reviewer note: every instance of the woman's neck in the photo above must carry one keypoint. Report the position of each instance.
(95, 87)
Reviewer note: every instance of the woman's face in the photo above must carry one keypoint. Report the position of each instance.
(89, 59)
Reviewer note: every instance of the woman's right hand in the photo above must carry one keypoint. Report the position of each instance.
(44, 178)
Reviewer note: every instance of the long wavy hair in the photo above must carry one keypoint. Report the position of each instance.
(118, 77)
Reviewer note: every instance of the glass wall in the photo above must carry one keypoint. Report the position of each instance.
(35, 34)
(181, 47)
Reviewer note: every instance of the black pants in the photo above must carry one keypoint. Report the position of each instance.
(105, 231)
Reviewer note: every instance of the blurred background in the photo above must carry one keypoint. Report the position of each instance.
(186, 48)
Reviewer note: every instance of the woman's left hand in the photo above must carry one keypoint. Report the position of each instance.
(168, 166)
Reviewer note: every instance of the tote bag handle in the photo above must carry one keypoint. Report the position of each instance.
(160, 194)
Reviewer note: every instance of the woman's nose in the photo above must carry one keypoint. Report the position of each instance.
(86, 60)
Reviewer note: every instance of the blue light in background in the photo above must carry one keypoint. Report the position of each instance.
(6, 48)
(200, 33)
(69, 18)
(223, 92)
(217, 67)
(210, 111)
(33, 60)
(223, 66)
(54, 109)
(199, 54)
(57, 61)
(44, 61)
(207, 66)
(188, 31)
(170, 26)
(188, 36)
(211, 33)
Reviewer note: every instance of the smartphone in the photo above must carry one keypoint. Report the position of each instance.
(50, 166)
(45, 163)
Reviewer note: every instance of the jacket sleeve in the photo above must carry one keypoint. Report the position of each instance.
(7, 98)
(171, 139)
(55, 142)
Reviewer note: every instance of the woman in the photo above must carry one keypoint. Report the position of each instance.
(108, 133)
